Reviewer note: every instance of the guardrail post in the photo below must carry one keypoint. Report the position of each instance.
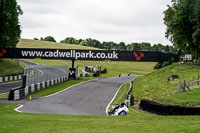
(23, 81)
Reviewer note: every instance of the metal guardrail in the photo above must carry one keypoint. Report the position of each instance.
(38, 74)
(37, 78)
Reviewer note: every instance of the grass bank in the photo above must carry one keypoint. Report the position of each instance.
(10, 67)
(155, 86)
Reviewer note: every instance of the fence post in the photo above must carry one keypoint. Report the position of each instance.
(184, 84)
(198, 79)
(179, 85)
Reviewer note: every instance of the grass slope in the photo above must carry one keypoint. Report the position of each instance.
(155, 86)
(11, 67)
(27, 43)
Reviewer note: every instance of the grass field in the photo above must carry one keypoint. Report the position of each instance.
(11, 67)
(27, 43)
(136, 121)
(113, 67)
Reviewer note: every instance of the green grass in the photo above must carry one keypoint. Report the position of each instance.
(151, 86)
(120, 97)
(137, 122)
(155, 86)
(4, 95)
(113, 67)
(27, 43)
(188, 98)
(62, 86)
(10, 67)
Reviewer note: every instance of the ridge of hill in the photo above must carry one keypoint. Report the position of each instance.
(28, 43)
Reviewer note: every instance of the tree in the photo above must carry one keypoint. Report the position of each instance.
(145, 46)
(183, 25)
(50, 39)
(9, 23)
(121, 46)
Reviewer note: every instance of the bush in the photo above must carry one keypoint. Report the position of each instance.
(162, 64)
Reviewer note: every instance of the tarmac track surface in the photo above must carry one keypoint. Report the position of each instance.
(53, 73)
(89, 98)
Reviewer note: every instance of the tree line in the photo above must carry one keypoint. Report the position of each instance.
(143, 46)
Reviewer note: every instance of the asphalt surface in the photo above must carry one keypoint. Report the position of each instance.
(89, 98)
(48, 73)
(5, 87)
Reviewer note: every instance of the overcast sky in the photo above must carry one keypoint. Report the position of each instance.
(105, 20)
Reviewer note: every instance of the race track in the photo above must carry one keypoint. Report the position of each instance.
(89, 98)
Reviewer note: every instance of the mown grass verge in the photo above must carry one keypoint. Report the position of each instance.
(4, 95)
(120, 97)
(60, 87)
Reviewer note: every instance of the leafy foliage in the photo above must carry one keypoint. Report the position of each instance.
(50, 39)
(183, 25)
(9, 23)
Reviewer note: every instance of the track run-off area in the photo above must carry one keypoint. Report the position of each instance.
(88, 98)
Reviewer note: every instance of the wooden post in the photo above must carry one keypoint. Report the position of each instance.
(198, 79)
(184, 84)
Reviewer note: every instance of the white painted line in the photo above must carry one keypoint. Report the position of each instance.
(69, 88)
(113, 98)
(17, 109)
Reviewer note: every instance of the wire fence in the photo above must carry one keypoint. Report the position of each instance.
(38, 74)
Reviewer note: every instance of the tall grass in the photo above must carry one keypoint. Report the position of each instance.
(11, 67)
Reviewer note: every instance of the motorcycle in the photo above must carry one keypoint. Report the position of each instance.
(120, 109)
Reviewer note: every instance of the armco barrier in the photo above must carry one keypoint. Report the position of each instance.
(10, 78)
(161, 109)
(19, 93)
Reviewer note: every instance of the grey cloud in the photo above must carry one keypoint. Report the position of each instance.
(101, 19)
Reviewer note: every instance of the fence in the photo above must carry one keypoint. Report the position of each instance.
(39, 77)
(188, 85)
(37, 74)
